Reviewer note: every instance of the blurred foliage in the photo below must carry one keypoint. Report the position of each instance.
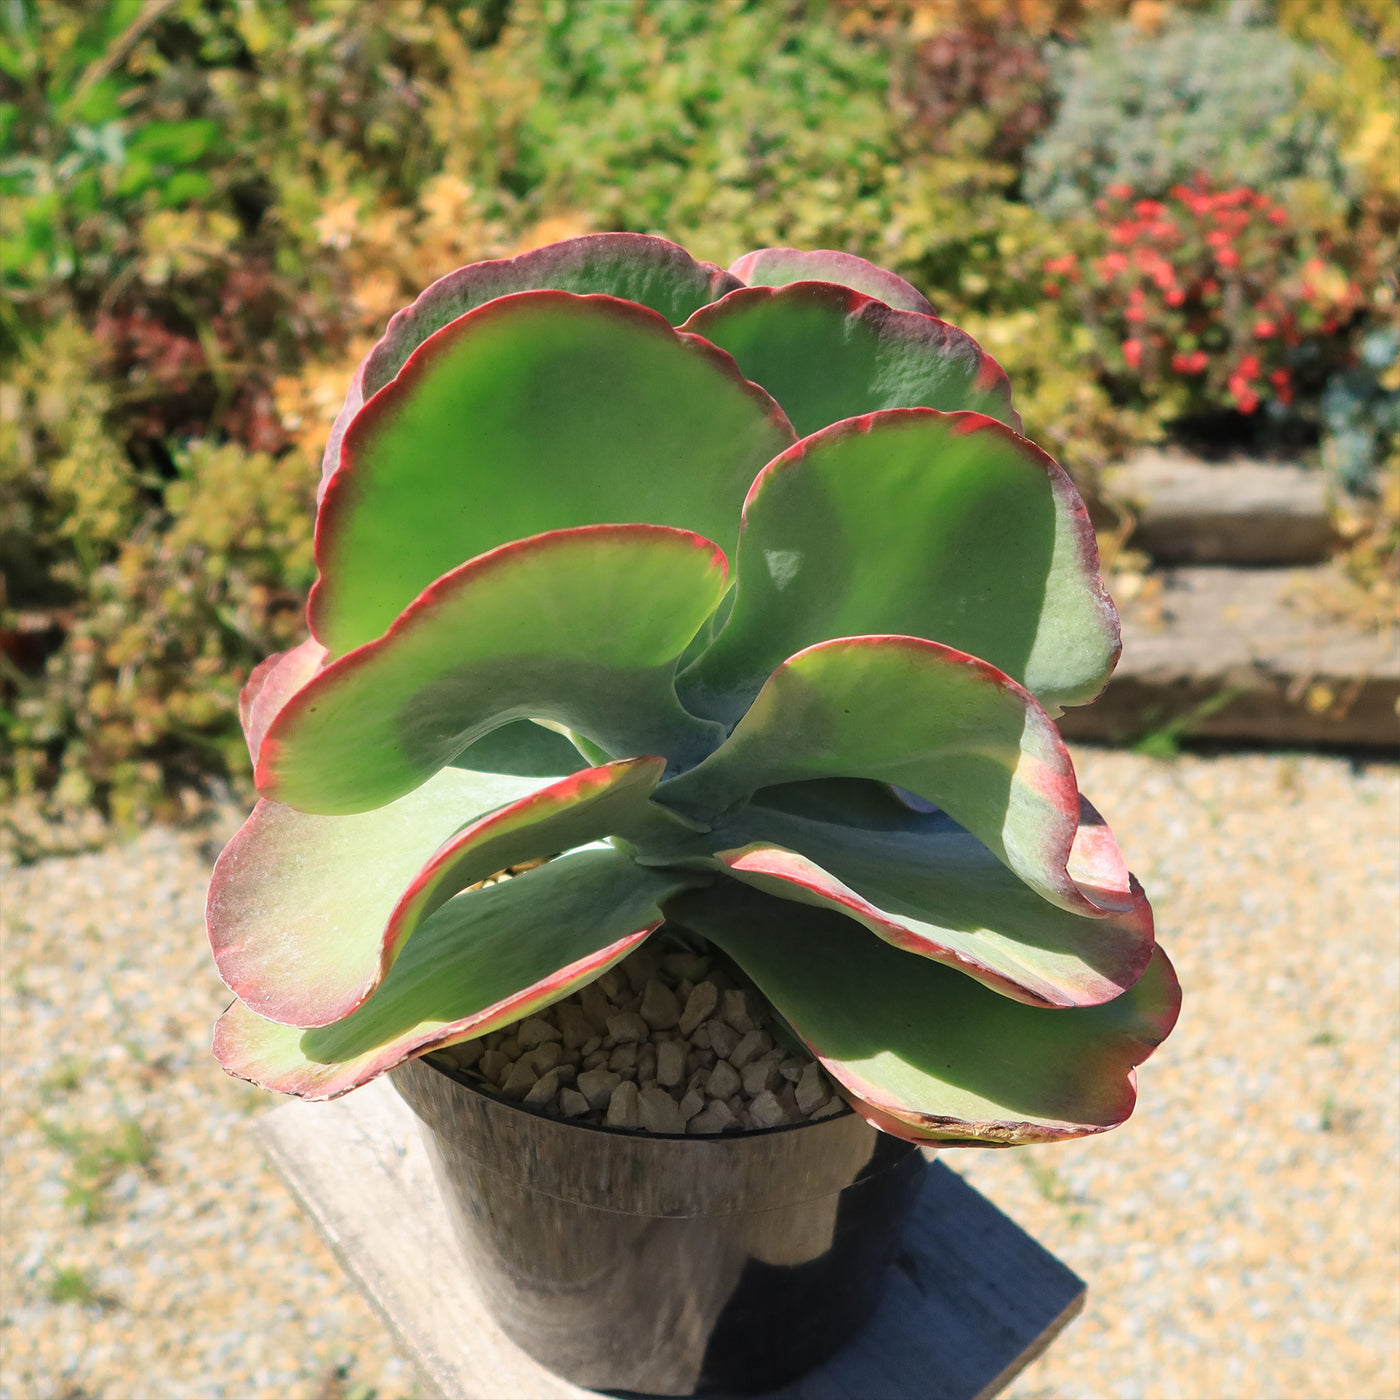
(1213, 299)
(1205, 93)
(209, 208)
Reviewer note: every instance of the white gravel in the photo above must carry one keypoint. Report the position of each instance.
(1240, 1235)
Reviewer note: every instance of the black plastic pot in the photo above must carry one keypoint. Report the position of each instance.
(667, 1265)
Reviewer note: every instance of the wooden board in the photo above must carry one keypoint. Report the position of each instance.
(971, 1300)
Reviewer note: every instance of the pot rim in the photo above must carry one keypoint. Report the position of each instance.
(460, 1077)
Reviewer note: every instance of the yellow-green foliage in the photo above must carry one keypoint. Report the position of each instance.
(209, 208)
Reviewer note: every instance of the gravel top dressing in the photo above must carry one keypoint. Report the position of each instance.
(1239, 1234)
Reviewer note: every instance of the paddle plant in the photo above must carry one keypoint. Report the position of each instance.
(741, 598)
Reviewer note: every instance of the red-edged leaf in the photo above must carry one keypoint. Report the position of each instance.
(634, 266)
(298, 904)
(271, 684)
(484, 959)
(931, 1054)
(923, 524)
(579, 627)
(537, 412)
(827, 353)
(942, 724)
(776, 267)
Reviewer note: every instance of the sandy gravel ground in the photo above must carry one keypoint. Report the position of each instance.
(1240, 1236)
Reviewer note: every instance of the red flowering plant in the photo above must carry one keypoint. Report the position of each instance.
(1209, 299)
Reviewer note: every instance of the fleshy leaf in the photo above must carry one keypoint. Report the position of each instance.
(776, 267)
(827, 353)
(922, 716)
(539, 411)
(298, 904)
(484, 959)
(526, 748)
(634, 266)
(933, 1053)
(924, 884)
(272, 682)
(581, 627)
(922, 524)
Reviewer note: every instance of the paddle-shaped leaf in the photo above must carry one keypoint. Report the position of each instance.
(776, 267)
(298, 904)
(484, 959)
(307, 913)
(922, 524)
(581, 627)
(536, 412)
(635, 266)
(925, 717)
(827, 353)
(936, 1055)
(272, 683)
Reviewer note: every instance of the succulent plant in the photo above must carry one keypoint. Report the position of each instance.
(840, 767)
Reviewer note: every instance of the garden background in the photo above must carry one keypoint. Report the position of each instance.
(1170, 221)
(1165, 219)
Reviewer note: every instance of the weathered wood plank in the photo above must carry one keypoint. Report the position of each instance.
(971, 1301)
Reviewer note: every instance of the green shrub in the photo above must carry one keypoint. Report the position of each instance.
(1213, 95)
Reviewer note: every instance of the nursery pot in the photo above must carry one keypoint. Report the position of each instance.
(665, 1265)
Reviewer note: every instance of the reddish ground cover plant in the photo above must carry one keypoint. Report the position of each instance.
(1213, 298)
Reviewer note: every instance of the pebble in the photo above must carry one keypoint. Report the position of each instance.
(659, 1112)
(660, 1009)
(699, 1006)
(670, 1062)
(766, 1111)
(623, 1111)
(563, 1067)
(627, 1028)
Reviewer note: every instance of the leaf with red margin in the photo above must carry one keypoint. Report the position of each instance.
(484, 959)
(827, 353)
(946, 897)
(777, 267)
(915, 523)
(539, 411)
(580, 627)
(306, 914)
(272, 682)
(297, 904)
(934, 1055)
(635, 266)
(925, 717)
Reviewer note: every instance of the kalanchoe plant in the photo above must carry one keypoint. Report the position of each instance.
(838, 765)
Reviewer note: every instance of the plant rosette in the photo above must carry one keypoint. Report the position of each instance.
(729, 607)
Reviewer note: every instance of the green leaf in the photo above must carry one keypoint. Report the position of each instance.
(540, 411)
(930, 1053)
(943, 725)
(827, 353)
(776, 267)
(943, 526)
(581, 627)
(298, 904)
(925, 885)
(483, 960)
(526, 748)
(634, 266)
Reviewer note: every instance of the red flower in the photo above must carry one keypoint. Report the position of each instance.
(1277, 216)
(1247, 402)
(1218, 238)
(1132, 353)
(1264, 329)
(1051, 289)
(1192, 363)
(1227, 257)
(1174, 297)
(1119, 191)
(1149, 209)
(1249, 366)
(1279, 378)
